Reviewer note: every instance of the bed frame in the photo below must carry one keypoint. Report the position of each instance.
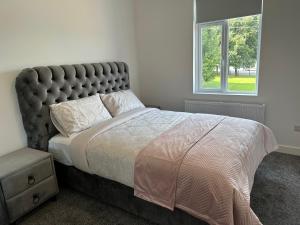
(39, 87)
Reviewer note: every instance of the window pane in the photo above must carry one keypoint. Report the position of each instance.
(210, 56)
(242, 53)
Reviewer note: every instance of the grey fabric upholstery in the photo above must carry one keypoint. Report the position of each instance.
(39, 87)
(121, 196)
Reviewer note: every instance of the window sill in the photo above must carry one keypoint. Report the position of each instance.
(225, 93)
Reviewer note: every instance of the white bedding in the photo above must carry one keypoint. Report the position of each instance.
(121, 144)
(121, 101)
(60, 146)
(113, 147)
(71, 117)
(109, 149)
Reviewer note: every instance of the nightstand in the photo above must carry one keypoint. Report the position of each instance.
(27, 179)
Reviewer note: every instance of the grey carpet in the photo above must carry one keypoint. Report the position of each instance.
(275, 199)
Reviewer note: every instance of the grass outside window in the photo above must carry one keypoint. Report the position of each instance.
(235, 83)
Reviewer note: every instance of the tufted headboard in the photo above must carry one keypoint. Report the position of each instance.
(39, 87)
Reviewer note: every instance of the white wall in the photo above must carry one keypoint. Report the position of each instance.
(165, 50)
(43, 32)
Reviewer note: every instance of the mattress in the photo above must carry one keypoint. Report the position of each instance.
(60, 148)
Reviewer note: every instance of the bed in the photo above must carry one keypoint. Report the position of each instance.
(117, 164)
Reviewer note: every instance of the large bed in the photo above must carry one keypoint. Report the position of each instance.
(168, 167)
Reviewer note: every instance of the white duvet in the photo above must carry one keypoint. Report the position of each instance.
(109, 150)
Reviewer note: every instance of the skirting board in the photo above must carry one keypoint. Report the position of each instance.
(292, 150)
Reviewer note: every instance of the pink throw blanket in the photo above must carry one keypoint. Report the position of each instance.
(205, 166)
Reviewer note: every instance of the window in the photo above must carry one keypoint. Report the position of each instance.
(227, 56)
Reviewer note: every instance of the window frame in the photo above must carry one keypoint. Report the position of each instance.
(223, 90)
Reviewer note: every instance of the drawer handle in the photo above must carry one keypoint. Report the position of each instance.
(36, 199)
(31, 180)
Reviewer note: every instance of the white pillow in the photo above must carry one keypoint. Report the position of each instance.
(121, 102)
(77, 115)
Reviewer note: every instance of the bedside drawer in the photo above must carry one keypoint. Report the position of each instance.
(24, 179)
(31, 198)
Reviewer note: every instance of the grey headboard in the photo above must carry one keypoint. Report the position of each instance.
(39, 87)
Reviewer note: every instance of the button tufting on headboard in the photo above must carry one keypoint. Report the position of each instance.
(39, 87)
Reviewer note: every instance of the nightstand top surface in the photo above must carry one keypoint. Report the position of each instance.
(19, 160)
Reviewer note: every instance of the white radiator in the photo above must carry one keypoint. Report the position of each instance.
(248, 111)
